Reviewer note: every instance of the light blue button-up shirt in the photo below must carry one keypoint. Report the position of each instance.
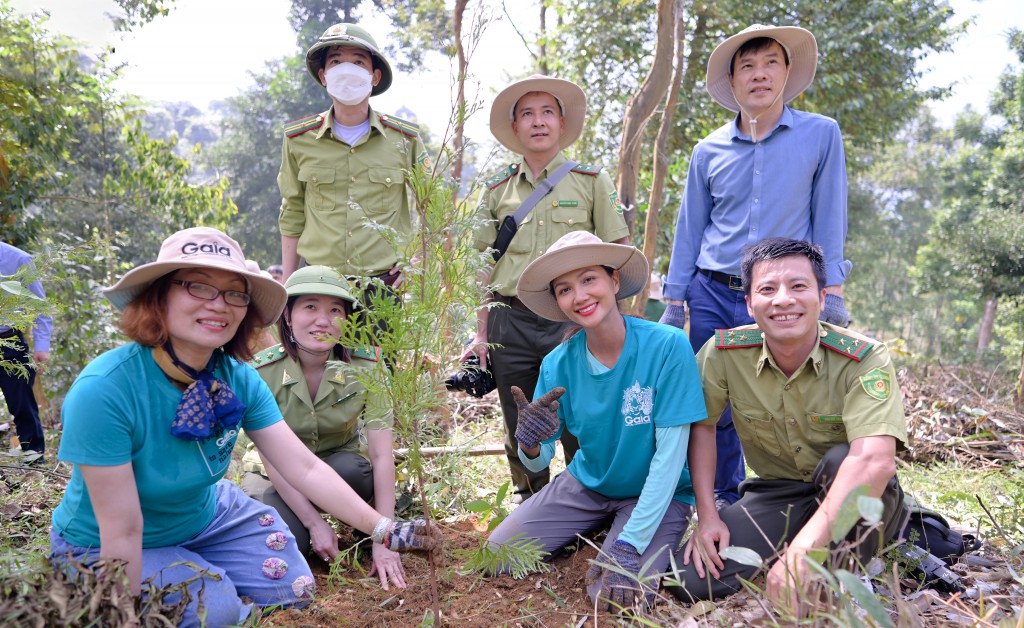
(11, 259)
(790, 184)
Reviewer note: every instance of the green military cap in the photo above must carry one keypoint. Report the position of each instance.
(319, 280)
(347, 34)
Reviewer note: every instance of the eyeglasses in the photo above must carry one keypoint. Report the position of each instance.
(209, 293)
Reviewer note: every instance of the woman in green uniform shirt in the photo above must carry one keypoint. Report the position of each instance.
(330, 411)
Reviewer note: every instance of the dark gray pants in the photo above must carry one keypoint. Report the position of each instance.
(525, 339)
(770, 513)
(352, 468)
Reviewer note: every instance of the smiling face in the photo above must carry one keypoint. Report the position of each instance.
(758, 78)
(197, 327)
(587, 296)
(315, 320)
(785, 301)
(538, 123)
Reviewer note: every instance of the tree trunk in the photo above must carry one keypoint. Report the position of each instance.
(542, 52)
(1018, 395)
(640, 108)
(660, 156)
(460, 101)
(988, 319)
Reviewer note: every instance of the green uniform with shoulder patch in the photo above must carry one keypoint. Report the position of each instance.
(336, 419)
(585, 200)
(845, 390)
(332, 191)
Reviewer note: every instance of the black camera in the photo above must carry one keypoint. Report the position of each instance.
(471, 379)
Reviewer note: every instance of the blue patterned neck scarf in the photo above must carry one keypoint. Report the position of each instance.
(208, 406)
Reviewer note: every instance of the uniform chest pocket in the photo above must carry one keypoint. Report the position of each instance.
(387, 189)
(757, 425)
(320, 192)
(827, 427)
(571, 218)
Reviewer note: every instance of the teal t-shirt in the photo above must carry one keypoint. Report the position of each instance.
(119, 410)
(614, 414)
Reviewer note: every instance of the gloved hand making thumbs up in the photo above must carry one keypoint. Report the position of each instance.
(538, 420)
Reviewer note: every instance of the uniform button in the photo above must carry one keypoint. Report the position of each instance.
(787, 387)
(314, 180)
(756, 201)
(387, 180)
(806, 472)
(797, 450)
(836, 428)
(352, 150)
(352, 179)
(572, 222)
(792, 421)
(350, 234)
(541, 223)
(757, 172)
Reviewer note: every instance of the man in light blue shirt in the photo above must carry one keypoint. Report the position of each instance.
(771, 172)
(17, 387)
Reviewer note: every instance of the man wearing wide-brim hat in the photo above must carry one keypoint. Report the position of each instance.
(346, 168)
(537, 118)
(772, 171)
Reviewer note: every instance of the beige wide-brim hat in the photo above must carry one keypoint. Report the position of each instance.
(568, 94)
(803, 61)
(572, 251)
(202, 247)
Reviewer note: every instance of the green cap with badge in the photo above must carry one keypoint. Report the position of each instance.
(347, 34)
(319, 280)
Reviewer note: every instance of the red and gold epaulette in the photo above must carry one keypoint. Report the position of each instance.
(303, 125)
(587, 169)
(738, 338)
(367, 352)
(502, 176)
(268, 356)
(850, 346)
(408, 128)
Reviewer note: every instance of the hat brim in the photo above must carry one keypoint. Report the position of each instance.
(574, 103)
(534, 287)
(314, 63)
(803, 62)
(268, 297)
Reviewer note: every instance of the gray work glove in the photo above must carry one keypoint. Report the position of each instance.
(835, 311)
(674, 315)
(538, 420)
(618, 590)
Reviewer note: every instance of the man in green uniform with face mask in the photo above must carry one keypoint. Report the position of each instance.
(347, 168)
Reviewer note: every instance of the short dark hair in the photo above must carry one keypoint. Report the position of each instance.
(144, 321)
(756, 44)
(776, 248)
(284, 332)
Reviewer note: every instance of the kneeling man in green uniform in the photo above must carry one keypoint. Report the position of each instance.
(345, 169)
(819, 413)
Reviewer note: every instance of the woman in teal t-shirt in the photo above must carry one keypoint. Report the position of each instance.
(629, 390)
(149, 428)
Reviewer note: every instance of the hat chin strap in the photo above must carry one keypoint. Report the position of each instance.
(752, 120)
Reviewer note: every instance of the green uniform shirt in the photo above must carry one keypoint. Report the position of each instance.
(335, 420)
(585, 200)
(787, 424)
(331, 191)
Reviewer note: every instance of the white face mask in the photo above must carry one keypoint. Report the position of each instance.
(348, 83)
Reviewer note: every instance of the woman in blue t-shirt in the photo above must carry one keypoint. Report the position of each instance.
(629, 390)
(149, 428)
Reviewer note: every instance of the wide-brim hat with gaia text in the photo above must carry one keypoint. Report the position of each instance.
(574, 250)
(800, 46)
(569, 95)
(202, 247)
(346, 34)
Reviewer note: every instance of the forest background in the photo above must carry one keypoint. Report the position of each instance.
(92, 177)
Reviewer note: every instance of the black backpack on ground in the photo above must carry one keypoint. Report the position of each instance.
(929, 530)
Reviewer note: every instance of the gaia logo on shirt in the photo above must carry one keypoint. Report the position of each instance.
(637, 403)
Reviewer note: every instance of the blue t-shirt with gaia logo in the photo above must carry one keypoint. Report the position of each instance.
(614, 414)
(120, 411)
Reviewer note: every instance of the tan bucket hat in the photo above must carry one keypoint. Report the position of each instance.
(568, 94)
(346, 34)
(579, 249)
(799, 43)
(201, 247)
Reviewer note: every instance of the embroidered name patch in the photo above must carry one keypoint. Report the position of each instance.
(565, 203)
(877, 384)
(826, 418)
